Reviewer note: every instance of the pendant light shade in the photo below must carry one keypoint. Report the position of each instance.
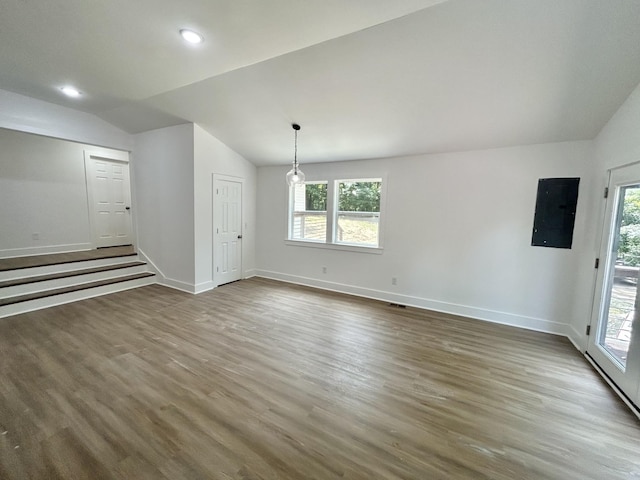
(295, 175)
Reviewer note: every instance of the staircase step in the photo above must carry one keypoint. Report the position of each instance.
(17, 263)
(74, 288)
(38, 270)
(72, 273)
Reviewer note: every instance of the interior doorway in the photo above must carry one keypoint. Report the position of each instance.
(109, 197)
(227, 229)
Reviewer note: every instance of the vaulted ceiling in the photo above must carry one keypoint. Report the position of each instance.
(364, 78)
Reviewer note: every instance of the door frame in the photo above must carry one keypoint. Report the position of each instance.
(118, 157)
(229, 178)
(628, 388)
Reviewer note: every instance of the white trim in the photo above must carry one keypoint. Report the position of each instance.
(203, 287)
(573, 335)
(249, 273)
(493, 316)
(116, 155)
(627, 379)
(335, 246)
(162, 279)
(143, 257)
(332, 214)
(177, 285)
(119, 157)
(613, 386)
(31, 251)
(226, 178)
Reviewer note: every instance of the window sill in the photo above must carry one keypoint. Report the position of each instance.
(335, 246)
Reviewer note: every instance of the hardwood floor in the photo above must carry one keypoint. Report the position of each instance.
(264, 380)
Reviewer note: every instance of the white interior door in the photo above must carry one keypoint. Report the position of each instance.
(227, 230)
(109, 193)
(614, 342)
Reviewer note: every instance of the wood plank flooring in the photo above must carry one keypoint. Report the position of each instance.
(264, 380)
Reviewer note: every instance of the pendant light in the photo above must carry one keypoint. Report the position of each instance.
(295, 175)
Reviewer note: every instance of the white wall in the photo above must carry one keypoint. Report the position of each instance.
(213, 157)
(26, 114)
(43, 189)
(43, 192)
(617, 144)
(163, 173)
(457, 235)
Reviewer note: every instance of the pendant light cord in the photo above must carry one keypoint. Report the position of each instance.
(295, 153)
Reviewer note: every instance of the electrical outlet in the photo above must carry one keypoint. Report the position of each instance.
(324, 269)
(394, 281)
(35, 236)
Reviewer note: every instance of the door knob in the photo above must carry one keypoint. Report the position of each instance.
(239, 236)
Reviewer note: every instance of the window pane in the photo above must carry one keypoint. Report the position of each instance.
(308, 226)
(309, 216)
(356, 228)
(358, 212)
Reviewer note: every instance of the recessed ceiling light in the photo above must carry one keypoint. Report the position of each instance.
(191, 36)
(70, 91)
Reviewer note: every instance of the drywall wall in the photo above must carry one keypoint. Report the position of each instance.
(43, 194)
(213, 157)
(617, 144)
(163, 172)
(26, 114)
(457, 235)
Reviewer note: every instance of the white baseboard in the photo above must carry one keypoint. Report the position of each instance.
(143, 257)
(250, 273)
(614, 387)
(30, 251)
(203, 287)
(529, 323)
(162, 279)
(575, 337)
(177, 284)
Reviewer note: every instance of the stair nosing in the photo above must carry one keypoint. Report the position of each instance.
(75, 288)
(71, 273)
(63, 262)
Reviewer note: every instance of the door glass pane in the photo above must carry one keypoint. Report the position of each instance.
(615, 331)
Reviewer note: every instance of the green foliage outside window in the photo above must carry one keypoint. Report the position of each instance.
(359, 196)
(316, 197)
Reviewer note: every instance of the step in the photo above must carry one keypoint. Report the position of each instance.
(38, 283)
(27, 303)
(72, 288)
(16, 263)
(51, 269)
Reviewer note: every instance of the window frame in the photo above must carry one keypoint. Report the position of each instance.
(336, 211)
(292, 211)
(330, 242)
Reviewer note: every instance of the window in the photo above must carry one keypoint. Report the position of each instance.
(358, 218)
(343, 212)
(309, 216)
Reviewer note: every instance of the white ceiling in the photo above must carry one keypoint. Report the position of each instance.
(364, 78)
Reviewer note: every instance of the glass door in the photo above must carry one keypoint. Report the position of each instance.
(614, 345)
